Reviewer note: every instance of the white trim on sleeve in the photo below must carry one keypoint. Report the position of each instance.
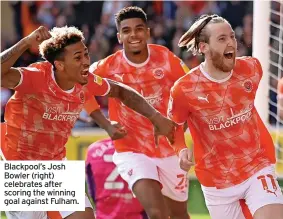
(109, 87)
(21, 79)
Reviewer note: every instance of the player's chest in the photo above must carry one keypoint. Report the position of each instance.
(210, 98)
(153, 83)
(54, 105)
(153, 74)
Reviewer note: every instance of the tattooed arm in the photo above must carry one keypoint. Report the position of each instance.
(10, 77)
(133, 100)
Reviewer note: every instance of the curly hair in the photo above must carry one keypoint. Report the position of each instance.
(198, 33)
(130, 12)
(53, 48)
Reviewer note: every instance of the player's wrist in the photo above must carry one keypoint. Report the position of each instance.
(106, 125)
(26, 42)
(157, 118)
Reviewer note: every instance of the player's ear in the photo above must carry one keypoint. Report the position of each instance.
(119, 38)
(203, 47)
(148, 33)
(59, 65)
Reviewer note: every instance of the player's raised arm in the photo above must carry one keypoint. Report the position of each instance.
(133, 100)
(10, 77)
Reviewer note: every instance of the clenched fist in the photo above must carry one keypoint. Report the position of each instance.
(38, 36)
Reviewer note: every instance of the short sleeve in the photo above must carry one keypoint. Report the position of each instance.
(178, 67)
(32, 77)
(91, 105)
(177, 108)
(97, 86)
(258, 67)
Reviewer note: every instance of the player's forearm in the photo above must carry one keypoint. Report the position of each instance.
(11, 55)
(100, 119)
(133, 100)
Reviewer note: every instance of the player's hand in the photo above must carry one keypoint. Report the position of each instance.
(38, 36)
(186, 159)
(116, 131)
(163, 126)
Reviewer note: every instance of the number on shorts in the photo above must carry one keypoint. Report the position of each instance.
(183, 182)
(265, 187)
(112, 177)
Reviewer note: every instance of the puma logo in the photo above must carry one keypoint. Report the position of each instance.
(119, 77)
(268, 191)
(204, 98)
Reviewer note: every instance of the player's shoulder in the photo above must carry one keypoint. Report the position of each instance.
(159, 51)
(158, 47)
(247, 60)
(107, 62)
(189, 80)
(42, 66)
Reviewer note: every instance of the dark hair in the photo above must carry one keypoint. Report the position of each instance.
(198, 33)
(53, 48)
(130, 12)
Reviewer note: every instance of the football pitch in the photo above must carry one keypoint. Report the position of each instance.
(200, 216)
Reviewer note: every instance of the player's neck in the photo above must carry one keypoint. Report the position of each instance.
(214, 72)
(63, 82)
(139, 57)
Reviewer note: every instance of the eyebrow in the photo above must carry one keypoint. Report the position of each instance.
(224, 35)
(139, 25)
(79, 52)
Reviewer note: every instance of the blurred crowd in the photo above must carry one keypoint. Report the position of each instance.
(168, 20)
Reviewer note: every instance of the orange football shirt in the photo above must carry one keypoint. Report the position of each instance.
(40, 115)
(153, 80)
(231, 142)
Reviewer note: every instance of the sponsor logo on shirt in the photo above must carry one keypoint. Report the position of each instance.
(220, 122)
(59, 113)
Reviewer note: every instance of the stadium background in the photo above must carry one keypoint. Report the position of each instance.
(167, 19)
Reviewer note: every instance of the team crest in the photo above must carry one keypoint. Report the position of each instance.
(248, 85)
(158, 73)
(82, 96)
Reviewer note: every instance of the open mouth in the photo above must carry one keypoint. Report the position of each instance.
(229, 55)
(85, 73)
